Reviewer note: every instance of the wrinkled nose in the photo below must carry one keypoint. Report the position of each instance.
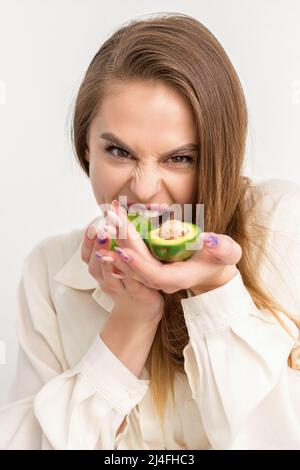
(145, 184)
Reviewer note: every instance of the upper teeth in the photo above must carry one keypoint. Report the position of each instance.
(145, 212)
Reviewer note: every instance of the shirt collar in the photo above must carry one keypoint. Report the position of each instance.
(75, 274)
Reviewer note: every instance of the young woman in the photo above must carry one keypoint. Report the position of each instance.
(122, 351)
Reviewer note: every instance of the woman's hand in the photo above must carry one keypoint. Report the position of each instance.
(131, 298)
(212, 266)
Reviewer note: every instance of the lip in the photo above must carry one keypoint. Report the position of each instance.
(145, 206)
(160, 207)
(153, 206)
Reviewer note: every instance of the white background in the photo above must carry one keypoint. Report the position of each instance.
(45, 48)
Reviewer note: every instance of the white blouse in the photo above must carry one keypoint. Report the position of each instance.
(72, 392)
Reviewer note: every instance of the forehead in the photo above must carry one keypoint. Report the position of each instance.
(154, 113)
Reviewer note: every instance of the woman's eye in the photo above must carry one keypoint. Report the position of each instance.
(119, 154)
(177, 160)
(110, 149)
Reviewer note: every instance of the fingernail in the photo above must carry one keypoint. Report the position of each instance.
(111, 231)
(98, 255)
(91, 232)
(115, 203)
(101, 257)
(109, 259)
(121, 253)
(102, 238)
(211, 241)
(114, 219)
(117, 207)
(117, 276)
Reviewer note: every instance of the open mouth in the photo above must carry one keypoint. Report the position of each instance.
(144, 211)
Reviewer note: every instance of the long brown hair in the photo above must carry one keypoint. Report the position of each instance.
(179, 51)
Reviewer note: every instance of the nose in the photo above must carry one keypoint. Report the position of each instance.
(145, 185)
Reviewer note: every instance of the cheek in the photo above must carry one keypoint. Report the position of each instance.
(181, 186)
(105, 180)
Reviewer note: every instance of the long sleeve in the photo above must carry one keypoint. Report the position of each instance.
(236, 359)
(79, 407)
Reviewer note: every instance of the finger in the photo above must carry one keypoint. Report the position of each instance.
(88, 242)
(103, 227)
(113, 223)
(127, 235)
(121, 262)
(147, 270)
(102, 239)
(104, 243)
(110, 280)
(223, 247)
(119, 266)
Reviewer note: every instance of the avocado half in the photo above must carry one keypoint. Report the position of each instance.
(167, 242)
(170, 241)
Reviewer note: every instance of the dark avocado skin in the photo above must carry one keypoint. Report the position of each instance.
(162, 249)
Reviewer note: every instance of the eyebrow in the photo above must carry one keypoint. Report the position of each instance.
(109, 136)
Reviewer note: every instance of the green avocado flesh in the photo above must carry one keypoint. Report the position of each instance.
(168, 242)
(173, 249)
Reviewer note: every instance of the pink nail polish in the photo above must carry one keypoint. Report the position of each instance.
(118, 250)
(121, 253)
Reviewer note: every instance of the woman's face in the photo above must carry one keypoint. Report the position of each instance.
(132, 145)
